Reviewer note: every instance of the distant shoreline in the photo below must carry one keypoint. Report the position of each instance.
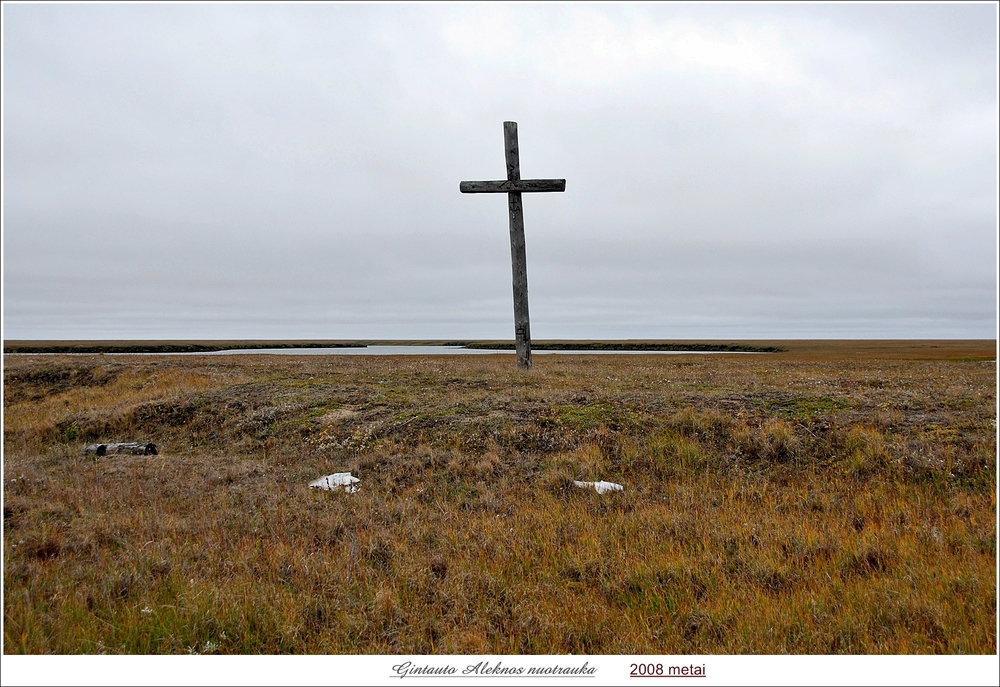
(160, 346)
(973, 349)
(631, 346)
(216, 346)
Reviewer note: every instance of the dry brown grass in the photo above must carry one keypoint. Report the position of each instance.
(794, 503)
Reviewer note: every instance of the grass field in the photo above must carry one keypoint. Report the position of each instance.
(837, 497)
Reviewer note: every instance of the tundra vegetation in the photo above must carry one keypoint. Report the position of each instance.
(832, 498)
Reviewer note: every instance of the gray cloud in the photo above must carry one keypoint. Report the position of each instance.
(270, 171)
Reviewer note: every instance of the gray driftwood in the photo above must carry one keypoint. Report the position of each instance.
(514, 186)
(133, 448)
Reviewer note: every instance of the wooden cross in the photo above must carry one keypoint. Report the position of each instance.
(514, 187)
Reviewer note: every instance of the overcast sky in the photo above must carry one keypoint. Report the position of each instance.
(266, 171)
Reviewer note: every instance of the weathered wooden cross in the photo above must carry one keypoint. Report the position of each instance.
(514, 187)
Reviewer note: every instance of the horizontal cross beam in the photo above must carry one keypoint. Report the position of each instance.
(513, 186)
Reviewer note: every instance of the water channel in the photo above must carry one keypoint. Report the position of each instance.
(430, 350)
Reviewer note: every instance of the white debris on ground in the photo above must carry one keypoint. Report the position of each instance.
(337, 481)
(600, 487)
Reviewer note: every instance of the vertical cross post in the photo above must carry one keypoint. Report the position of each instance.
(518, 259)
(513, 187)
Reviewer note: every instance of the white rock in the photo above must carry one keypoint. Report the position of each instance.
(600, 487)
(337, 481)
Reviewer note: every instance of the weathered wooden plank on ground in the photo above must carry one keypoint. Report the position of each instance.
(132, 448)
